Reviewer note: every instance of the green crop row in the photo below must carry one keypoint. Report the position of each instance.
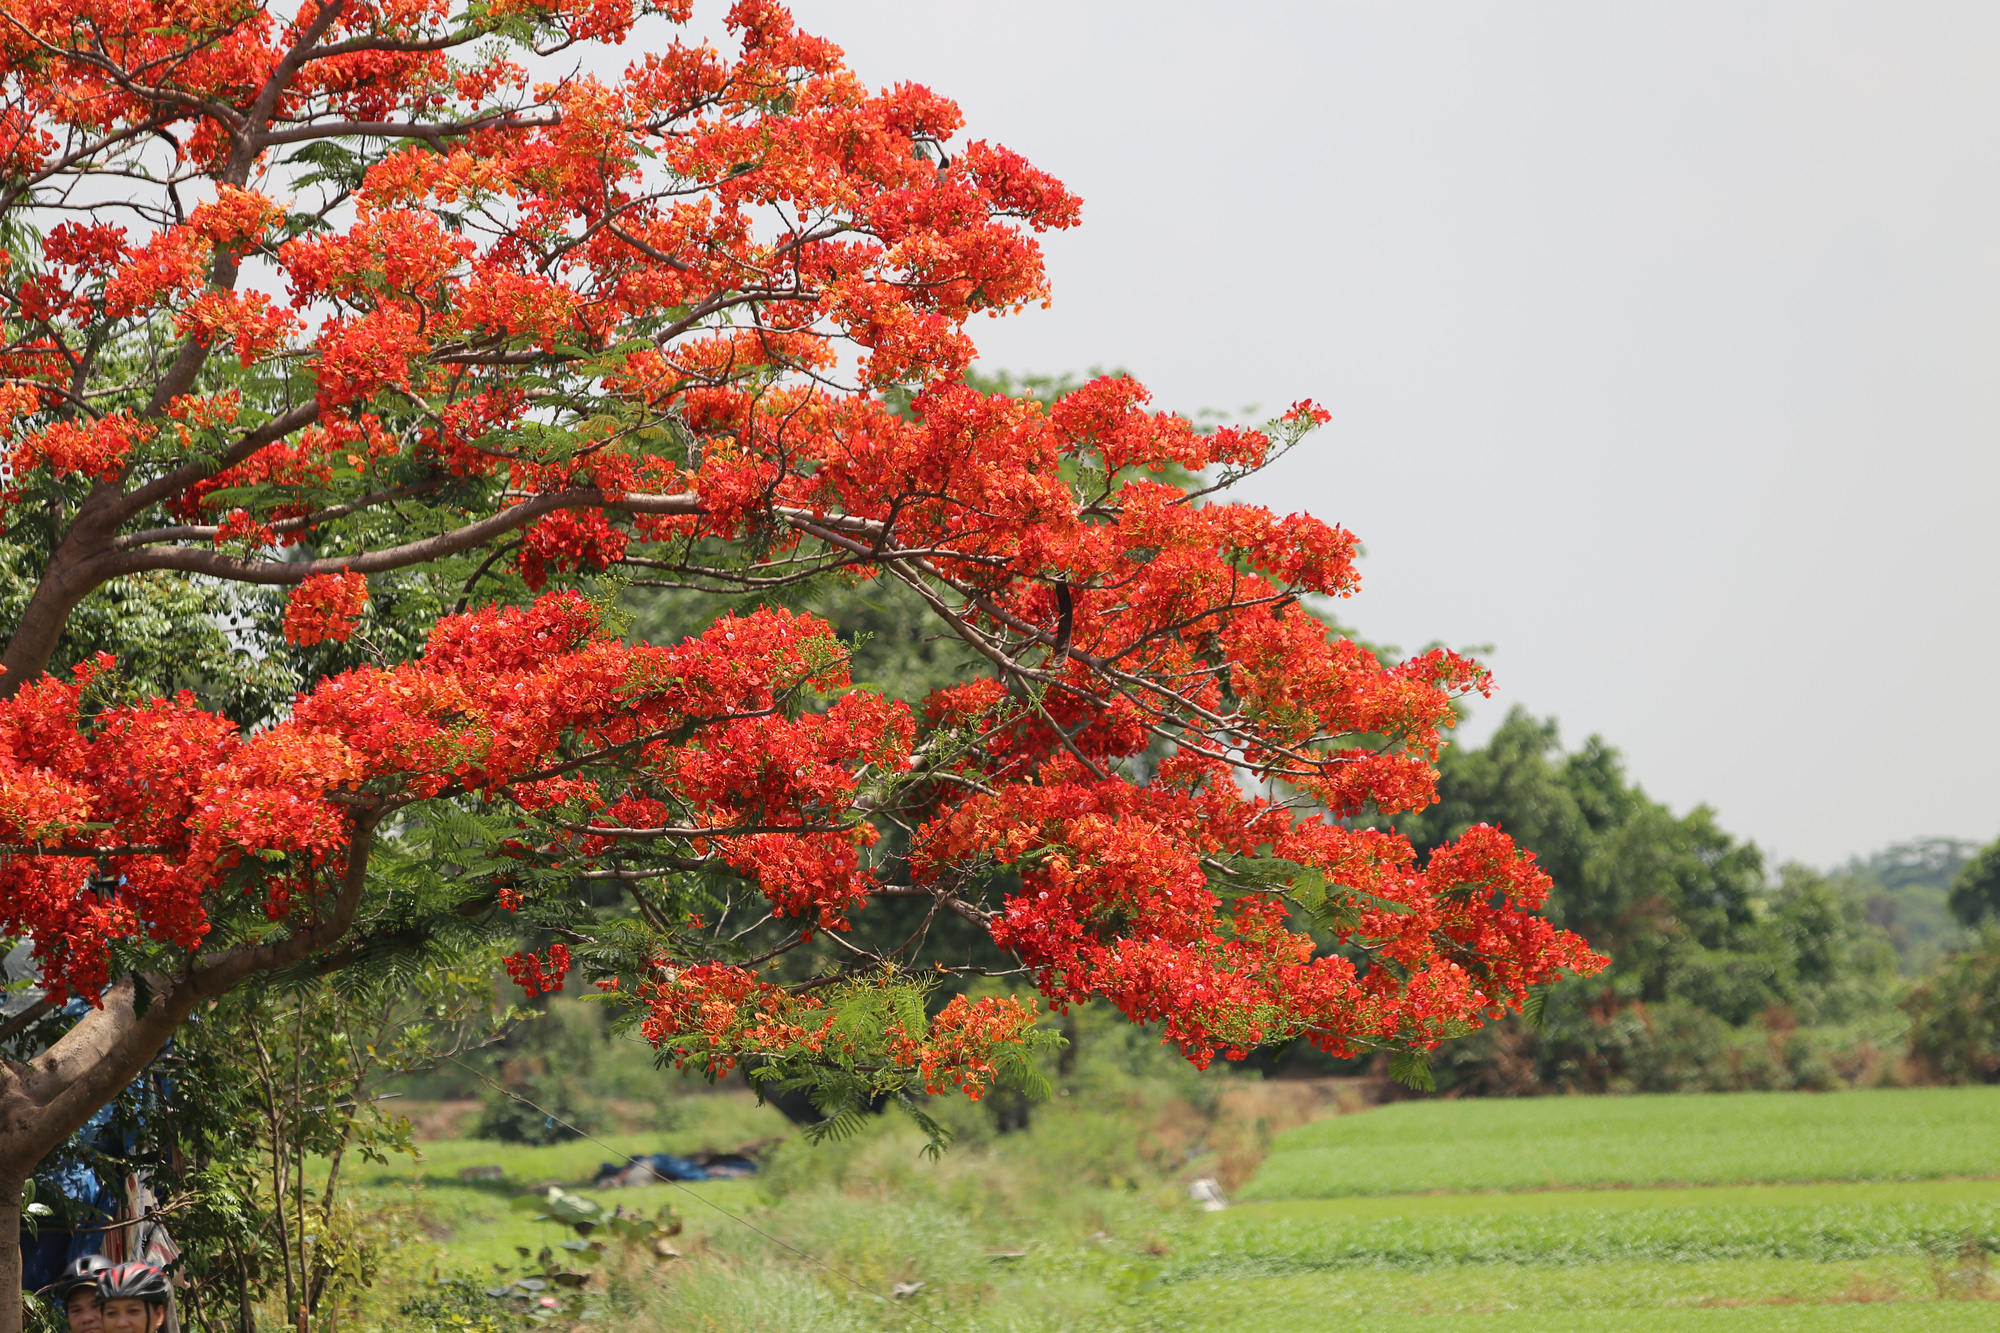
(1534, 1143)
(1764, 1294)
(1259, 1246)
(1291, 1309)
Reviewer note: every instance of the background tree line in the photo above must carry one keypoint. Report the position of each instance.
(1726, 974)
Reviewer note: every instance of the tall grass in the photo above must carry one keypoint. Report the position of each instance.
(1081, 1224)
(722, 1297)
(1060, 1227)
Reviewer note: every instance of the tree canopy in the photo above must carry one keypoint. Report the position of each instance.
(1975, 890)
(342, 303)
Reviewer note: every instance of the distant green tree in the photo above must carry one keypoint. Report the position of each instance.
(169, 633)
(1704, 944)
(1975, 891)
(1907, 890)
(1955, 1016)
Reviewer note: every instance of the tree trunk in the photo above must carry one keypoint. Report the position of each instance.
(45, 1100)
(61, 589)
(48, 1098)
(11, 1296)
(246, 1308)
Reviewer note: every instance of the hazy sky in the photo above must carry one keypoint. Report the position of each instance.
(1660, 342)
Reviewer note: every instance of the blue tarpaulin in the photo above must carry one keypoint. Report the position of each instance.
(666, 1166)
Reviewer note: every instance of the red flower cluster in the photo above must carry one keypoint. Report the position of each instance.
(711, 1016)
(482, 714)
(534, 976)
(957, 1048)
(1122, 896)
(70, 448)
(325, 606)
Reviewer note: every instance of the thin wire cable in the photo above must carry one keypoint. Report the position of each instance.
(741, 1221)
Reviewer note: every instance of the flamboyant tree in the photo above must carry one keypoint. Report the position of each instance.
(389, 306)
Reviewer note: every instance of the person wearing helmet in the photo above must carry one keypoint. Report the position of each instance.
(133, 1298)
(75, 1292)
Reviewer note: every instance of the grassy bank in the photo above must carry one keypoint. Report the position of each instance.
(1635, 1213)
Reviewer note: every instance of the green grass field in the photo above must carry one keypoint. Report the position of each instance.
(1700, 1214)
(477, 1219)
(1825, 1231)
(1731, 1138)
(1279, 1307)
(1554, 1213)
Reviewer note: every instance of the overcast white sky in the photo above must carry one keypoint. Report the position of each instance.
(1660, 341)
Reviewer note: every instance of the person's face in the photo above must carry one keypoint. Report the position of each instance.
(129, 1314)
(84, 1315)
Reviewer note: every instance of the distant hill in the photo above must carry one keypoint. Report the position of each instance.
(1905, 888)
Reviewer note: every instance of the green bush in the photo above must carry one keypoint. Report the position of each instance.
(551, 1059)
(564, 1115)
(454, 1304)
(1594, 1040)
(1955, 1016)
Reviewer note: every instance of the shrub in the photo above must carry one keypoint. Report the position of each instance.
(1955, 1016)
(565, 1116)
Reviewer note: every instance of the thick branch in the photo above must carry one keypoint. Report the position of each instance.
(402, 129)
(26, 1019)
(46, 1099)
(173, 483)
(279, 572)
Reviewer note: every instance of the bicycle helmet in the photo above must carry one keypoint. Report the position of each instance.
(80, 1274)
(133, 1281)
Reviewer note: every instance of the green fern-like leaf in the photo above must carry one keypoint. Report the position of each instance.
(1412, 1069)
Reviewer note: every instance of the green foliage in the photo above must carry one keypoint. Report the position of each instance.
(547, 1058)
(1412, 1069)
(548, 1289)
(249, 1118)
(169, 632)
(1715, 970)
(556, 1286)
(1955, 1015)
(1975, 890)
(1906, 889)
(454, 1304)
(586, 1215)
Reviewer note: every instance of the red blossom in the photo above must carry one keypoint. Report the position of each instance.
(537, 977)
(325, 606)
